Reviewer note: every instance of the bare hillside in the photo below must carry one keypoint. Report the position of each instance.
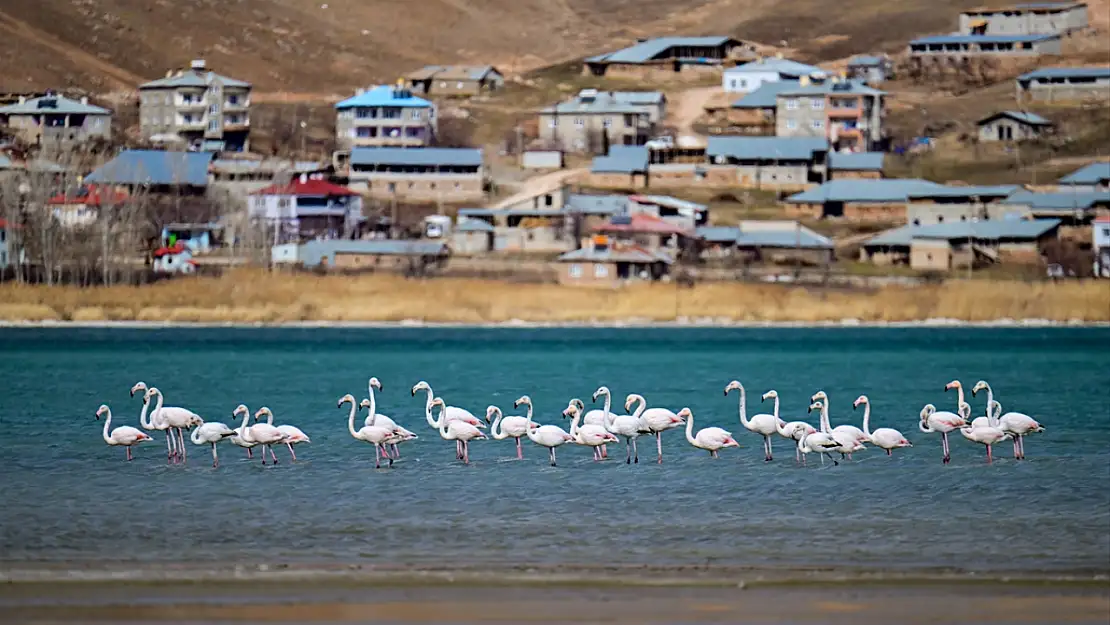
(329, 46)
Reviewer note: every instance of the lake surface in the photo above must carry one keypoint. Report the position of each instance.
(68, 497)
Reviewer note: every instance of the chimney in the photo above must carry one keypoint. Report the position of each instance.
(84, 100)
(803, 81)
(23, 99)
(197, 65)
(169, 72)
(304, 178)
(779, 55)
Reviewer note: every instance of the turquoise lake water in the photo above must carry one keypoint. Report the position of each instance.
(69, 497)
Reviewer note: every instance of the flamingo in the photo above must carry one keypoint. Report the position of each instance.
(859, 435)
(985, 435)
(883, 438)
(711, 439)
(259, 433)
(656, 420)
(549, 436)
(239, 441)
(762, 424)
(511, 427)
(381, 420)
(793, 430)
(175, 418)
(459, 431)
(590, 417)
(293, 434)
(819, 442)
(211, 433)
(943, 422)
(396, 437)
(588, 435)
(851, 438)
(374, 435)
(626, 426)
(454, 413)
(155, 422)
(1016, 423)
(124, 435)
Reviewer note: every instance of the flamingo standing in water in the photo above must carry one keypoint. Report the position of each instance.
(820, 442)
(590, 417)
(656, 420)
(124, 435)
(175, 418)
(453, 413)
(293, 434)
(590, 434)
(155, 422)
(883, 438)
(763, 424)
(712, 439)
(400, 434)
(376, 436)
(793, 430)
(459, 431)
(943, 422)
(628, 427)
(211, 433)
(549, 436)
(1015, 423)
(259, 433)
(986, 435)
(502, 427)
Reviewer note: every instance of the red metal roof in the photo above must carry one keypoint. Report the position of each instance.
(92, 195)
(1103, 220)
(166, 251)
(644, 223)
(4, 225)
(310, 187)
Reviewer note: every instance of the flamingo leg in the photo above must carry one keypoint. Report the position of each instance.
(291, 452)
(552, 449)
(990, 459)
(377, 457)
(944, 442)
(519, 450)
(659, 446)
(215, 457)
(1021, 445)
(170, 447)
(798, 456)
(804, 459)
(604, 451)
(823, 454)
(250, 454)
(396, 452)
(272, 456)
(628, 451)
(888, 452)
(767, 443)
(181, 445)
(458, 450)
(835, 463)
(635, 452)
(129, 453)
(263, 455)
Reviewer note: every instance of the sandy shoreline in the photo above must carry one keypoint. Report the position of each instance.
(627, 324)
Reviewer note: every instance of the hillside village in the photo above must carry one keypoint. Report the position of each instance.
(684, 157)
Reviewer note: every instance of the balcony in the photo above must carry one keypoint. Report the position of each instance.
(190, 105)
(236, 124)
(238, 104)
(844, 112)
(193, 123)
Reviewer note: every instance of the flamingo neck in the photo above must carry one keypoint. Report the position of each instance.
(107, 425)
(743, 406)
(147, 424)
(195, 436)
(867, 418)
(608, 416)
(156, 414)
(493, 431)
(528, 428)
(427, 410)
(690, 431)
(779, 426)
(350, 420)
(441, 422)
(825, 425)
(959, 397)
(373, 406)
(641, 404)
(243, 426)
(574, 423)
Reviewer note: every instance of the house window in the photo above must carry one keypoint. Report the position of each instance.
(817, 104)
(458, 85)
(575, 271)
(363, 113)
(1105, 233)
(791, 105)
(214, 125)
(578, 121)
(791, 124)
(608, 123)
(233, 100)
(743, 83)
(601, 271)
(415, 114)
(213, 109)
(553, 122)
(215, 89)
(818, 124)
(732, 83)
(443, 85)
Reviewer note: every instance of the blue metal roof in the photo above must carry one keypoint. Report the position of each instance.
(843, 87)
(5, 162)
(785, 67)
(311, 252)
(154, 167)
(467, 224)
(765, 148)
(384, 95)
(462, 157)
(622, 159)
(653, 48)
(590, 204)
(996, 191)
(1059, 200)
(856, 161)
(718, 234)
(779, 234)
(609, 102)
(1092, 174)
(191, 78)
(993, 230)
(53, 104)
(610, 255)
(766, 96)
(1026, 118)
(865, 60)
(945, 39)
(863, 190)
(1064, 73)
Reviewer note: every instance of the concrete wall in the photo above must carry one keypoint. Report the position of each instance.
(73, 128)
(588, 274)
(1006, 130)
(614, 181)
(471, 243)
(1025, 21)
(450, 188)
(421, 121)
(1065, 92)
(455, 88)
(163, 111)
(665, 70)
(815, 116)
(931, 255)
(583, 132)
(747, 81)
(550, 237)
(542, 159)
(1027, 49)
(929, 213)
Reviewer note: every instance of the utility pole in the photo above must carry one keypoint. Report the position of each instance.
(393, 215)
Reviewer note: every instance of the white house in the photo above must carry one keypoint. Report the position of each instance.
(174, 260)
(1101, 244)
(308, 207)
(751, 76)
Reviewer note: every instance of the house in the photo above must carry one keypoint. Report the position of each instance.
(623, 166)
(526, 229)
(778, 163)
(607, 264)
(756, 241)
(158, 170)
(197, 108)
(174, 259)
(451, 175)
(385, 116)
(751, 76)
(1091, 177)
(595, 120)
(664, 57)
(855, 165)
(1072, 207)
(948, 246)
(646, 231)
(10, 251)
(472, 236)
(754, 114)
(260, 173)
(849, 114)
(1011, 126)
(307, 208)
(941, 204)
(364, 255)
(82, 206)
(1025, 19)
(684, 214)
(950, 48)
(56, 119)
(198, 238)
(1064, 84)
(455, 80)
(871, 70)
(858, 200)
(1100, 243)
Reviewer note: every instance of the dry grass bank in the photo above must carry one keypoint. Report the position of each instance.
(259, 297)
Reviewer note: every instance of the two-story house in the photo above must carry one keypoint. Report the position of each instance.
(594, 120)
(55, 119)
(850, 114)
(307, 208)
(385, 116)
(197, 107)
